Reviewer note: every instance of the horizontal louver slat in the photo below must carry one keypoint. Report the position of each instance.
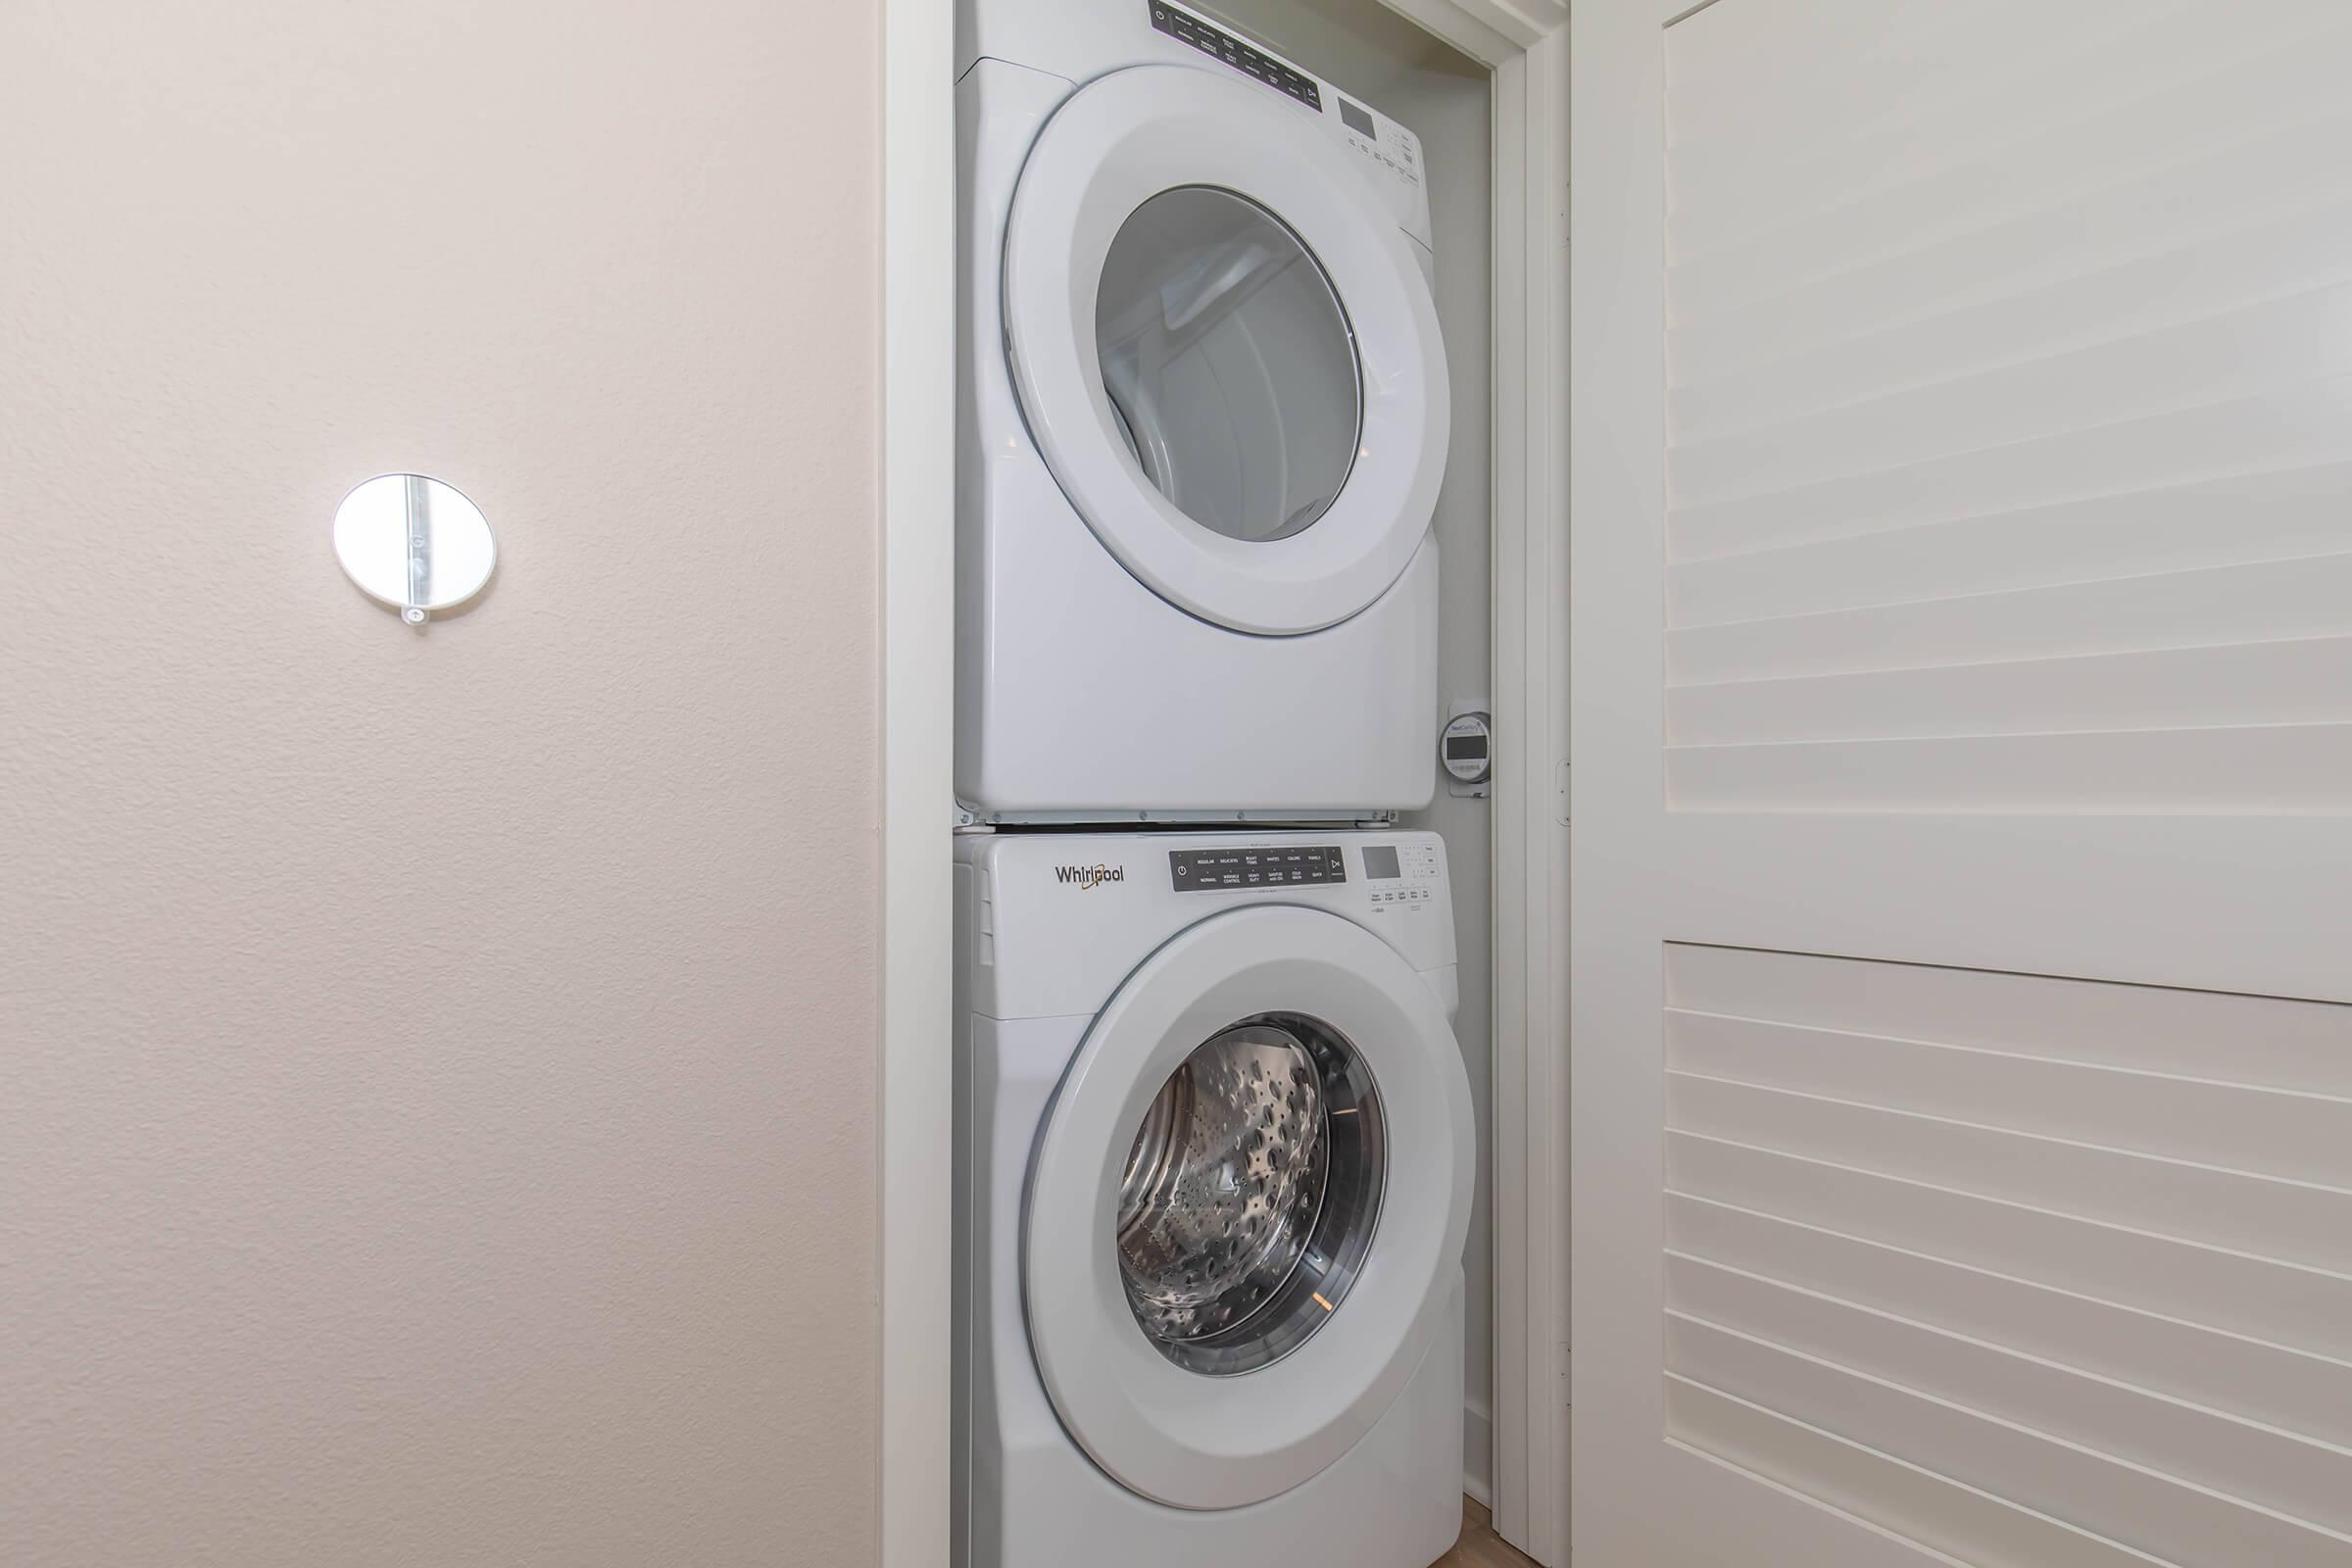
(2006, 391)
(1950, 1245)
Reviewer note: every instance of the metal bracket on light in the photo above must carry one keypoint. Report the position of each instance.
(415, 544)
(416, 523)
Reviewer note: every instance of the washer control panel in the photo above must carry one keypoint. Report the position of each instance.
(1267, 867)
(1401, 879)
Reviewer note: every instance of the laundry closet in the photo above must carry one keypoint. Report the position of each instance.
(1221, 764)
(1222, 865)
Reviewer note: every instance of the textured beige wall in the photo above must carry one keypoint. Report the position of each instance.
(436, 1082)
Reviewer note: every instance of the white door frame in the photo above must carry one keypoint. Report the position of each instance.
(915, 1171)
(1525, 44)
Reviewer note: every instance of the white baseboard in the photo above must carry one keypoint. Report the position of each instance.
(1478, 1453)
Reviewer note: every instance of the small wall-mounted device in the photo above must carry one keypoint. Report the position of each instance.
(415, 544)
(1467, 747)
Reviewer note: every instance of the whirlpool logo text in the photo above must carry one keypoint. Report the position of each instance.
(1088, 877)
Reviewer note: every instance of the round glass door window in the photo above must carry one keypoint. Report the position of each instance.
(1251, 1194)
(1229, 362)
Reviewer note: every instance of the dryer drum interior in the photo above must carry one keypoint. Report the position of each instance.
(1230, 363)
(1250, 1193)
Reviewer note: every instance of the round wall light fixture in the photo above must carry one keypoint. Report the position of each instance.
(415, 544)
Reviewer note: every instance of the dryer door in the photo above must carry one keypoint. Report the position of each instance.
(1246, 1207)
(1224, 350)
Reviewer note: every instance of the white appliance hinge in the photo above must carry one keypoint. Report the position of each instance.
(984, 915)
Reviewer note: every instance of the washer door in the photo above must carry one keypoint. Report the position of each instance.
(1246, 1207)
(1228, 358)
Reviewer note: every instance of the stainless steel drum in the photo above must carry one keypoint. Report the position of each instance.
(1250, 1193)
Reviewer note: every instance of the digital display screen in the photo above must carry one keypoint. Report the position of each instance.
(1379, 862)
(1358, 119)
(1465, 747)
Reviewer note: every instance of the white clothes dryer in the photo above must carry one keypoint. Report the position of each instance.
(1204, 421)
(1214, 1163)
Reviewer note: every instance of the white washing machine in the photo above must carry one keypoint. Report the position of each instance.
(1215, 1151)
(1203, 425)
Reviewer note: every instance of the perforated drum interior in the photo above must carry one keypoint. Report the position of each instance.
(1250, 1193)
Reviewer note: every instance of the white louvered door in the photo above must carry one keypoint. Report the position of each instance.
(1962, 878)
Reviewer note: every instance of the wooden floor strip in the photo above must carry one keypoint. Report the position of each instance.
(1480, 1546)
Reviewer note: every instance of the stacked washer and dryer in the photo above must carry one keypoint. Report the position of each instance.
(1214, 1137)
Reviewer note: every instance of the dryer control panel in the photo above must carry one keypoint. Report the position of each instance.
(1390, 153)
(1279, 75)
